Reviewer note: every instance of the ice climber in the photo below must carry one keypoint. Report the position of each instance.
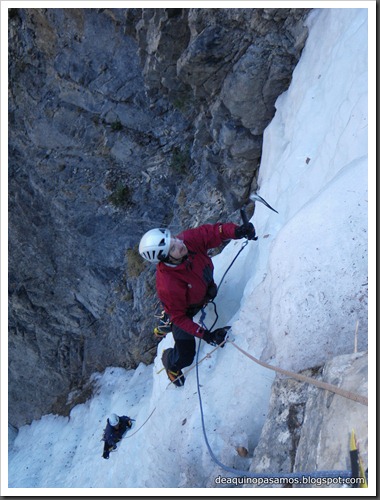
(185, 284)
(114, 432)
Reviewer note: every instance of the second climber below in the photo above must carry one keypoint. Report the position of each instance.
(185, 284)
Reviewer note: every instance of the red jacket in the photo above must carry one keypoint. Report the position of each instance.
(186, 285)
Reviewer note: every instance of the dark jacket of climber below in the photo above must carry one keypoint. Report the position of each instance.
(114, 432)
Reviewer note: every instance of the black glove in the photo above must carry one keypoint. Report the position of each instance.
(217, 336)
(246, 231)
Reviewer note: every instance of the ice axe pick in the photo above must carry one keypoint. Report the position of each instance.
(256, 197)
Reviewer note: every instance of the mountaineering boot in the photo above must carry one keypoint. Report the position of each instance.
(177, 377)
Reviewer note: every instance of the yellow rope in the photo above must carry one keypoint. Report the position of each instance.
(199, 362)
(171, 382)
(130, 435)
(303, 378)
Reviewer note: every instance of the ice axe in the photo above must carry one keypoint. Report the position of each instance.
(254, 197)
(244, 218)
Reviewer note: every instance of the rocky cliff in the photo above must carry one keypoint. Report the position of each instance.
(309, 429)
(121, 120)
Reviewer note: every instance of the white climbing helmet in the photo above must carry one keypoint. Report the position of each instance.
(113, 419)
(155, 245)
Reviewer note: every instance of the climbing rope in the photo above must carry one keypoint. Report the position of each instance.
(172, 382)
(245, 243)
(292, 475)
(303, 378)
(142, 425)
(236, 472)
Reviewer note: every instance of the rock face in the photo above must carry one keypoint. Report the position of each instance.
(121, 120)
(308, 429)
